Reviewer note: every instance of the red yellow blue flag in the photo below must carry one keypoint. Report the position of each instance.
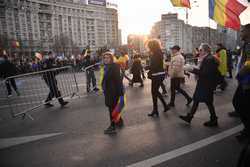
(226, 12)
(116, 114)
(181, 3)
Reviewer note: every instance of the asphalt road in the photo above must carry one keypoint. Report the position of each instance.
(73, 136)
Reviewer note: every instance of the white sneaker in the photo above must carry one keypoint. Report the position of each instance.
(9, 95)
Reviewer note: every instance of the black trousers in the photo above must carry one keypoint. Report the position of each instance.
(175, 85)
(210, 106)
(222, 82)
(241, 105)
(9, 83)
(230, 72)
(53, 90)
(163, 87)
(112, 123)
(156, 82)
(90, 74)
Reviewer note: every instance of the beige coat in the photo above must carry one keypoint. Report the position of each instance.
(176, 67)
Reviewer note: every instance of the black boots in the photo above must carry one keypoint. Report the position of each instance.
(212, 122)
(110, 130)
(154, 113)
(186, 118)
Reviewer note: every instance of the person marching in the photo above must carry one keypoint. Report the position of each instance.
(176, 73)
(206, 84)
(156, 74)
(50, 79)
(113, 90)
(221, 55)
(136, 70)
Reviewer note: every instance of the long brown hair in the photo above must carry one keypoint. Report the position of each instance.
(155, 47)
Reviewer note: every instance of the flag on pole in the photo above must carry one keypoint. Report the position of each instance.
(16, 44)
(181, 3)
(226, 12)
(116, 114)
(39, 56)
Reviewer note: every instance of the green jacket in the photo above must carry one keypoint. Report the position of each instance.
(222, 57)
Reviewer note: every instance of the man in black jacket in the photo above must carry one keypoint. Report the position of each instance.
(8, 69)
(50, 79)
(208, 75)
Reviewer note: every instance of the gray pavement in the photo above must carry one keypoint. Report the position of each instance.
(81, 141)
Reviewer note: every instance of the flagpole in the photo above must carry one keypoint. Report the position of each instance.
(186, 15)
(209, 31)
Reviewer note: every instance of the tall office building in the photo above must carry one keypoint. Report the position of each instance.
(52, 24)
(172, 31)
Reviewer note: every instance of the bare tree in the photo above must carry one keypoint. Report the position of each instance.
(64, 44)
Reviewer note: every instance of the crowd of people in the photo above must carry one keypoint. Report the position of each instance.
(210, 71)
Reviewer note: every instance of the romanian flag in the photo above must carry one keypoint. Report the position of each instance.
(39, 55)
(226, 12)
(16, 44)
(181, 3)
(116, 114)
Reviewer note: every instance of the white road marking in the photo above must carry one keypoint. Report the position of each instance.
(187, 149)
(9, 142)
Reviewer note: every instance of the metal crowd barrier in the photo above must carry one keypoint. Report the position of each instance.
(34, 89)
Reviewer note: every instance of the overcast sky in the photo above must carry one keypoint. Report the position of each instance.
(138, 16)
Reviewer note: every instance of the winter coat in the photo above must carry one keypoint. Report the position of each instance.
(136, 70)
(112, 84)
(208, 76)
(156, 69)
(222, 57)
(176, 66)
(7, 68)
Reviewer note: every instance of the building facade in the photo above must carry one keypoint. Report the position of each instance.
(58, 24)
(172, 31)
(137, 42)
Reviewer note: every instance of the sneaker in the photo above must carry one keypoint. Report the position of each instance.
(211, 123)
(48, 105)
(186, 118)
(153, 113)
(64, 103)
(110, 130)
(9, 95)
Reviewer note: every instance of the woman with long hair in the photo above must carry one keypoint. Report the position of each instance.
(156, 74)
(113, 91)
